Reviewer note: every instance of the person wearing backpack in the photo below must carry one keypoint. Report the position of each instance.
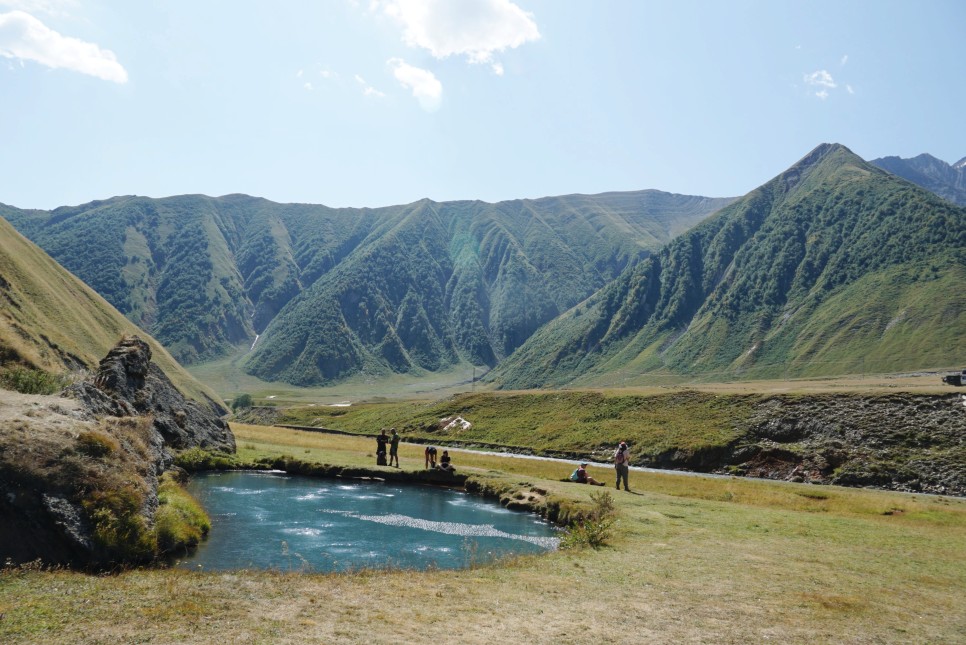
(581, 477)
(622, 462)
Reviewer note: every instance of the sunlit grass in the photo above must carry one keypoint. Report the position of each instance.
(718, 560)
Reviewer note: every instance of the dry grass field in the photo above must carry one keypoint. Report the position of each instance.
(693, 560)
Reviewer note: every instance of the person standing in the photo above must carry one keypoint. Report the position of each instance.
(381, 441)
(393, 447)
(622, 462)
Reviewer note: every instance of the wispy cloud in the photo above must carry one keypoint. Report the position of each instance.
(423, 83)
(844, 60)
(476, 29)
(368, 90)
(26, 38)
(821, 80)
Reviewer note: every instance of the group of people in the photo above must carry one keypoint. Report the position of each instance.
(622, 462)
(445, 462)
(392, 442)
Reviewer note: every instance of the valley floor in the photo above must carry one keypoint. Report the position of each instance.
(692, 560)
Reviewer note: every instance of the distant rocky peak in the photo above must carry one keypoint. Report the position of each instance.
(949, 182)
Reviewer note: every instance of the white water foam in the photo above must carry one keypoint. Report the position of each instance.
(451, 528)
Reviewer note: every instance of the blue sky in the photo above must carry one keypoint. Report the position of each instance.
(371, 103)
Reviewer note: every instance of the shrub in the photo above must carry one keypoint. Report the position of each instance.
(32, 381)
(596, 529)
(242, 401)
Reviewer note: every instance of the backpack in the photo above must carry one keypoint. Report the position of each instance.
(573, 475)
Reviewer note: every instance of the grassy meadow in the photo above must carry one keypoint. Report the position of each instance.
(709, 560)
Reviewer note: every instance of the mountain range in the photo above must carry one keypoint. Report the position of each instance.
(834, 266)
(326, 293)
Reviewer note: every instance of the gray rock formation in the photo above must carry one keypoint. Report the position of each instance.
(129, 384)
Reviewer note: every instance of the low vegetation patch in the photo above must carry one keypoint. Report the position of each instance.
(196, 459)
(181, 523)
(596, 529)
(28, 380)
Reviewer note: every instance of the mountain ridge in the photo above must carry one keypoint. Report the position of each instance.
(412, 287)
(947, 181)
(748, 290)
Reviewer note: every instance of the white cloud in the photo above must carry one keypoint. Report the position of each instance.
(821, 80)
(473, 28)
(307, 87)
(23, 37)
(423, 83)
(368, 90)
(497, 69)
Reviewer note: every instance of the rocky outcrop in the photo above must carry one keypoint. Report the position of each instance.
(906, 442)
(129, 384)
(79, 475)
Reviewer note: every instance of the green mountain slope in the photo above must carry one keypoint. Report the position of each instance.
(833, 267)
(335, 292)
(52, 321)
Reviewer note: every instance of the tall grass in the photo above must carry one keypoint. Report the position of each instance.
(181, 522)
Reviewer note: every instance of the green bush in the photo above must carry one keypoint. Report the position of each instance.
(597, 528)
(242, 401)
(32, 381)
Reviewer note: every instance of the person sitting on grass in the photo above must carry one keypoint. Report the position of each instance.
(445, 463)
(581, 477)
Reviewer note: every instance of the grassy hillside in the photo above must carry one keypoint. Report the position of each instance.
(339, 292)
(50, 320)
(692, 560)
(833, 267)
(554, 422)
